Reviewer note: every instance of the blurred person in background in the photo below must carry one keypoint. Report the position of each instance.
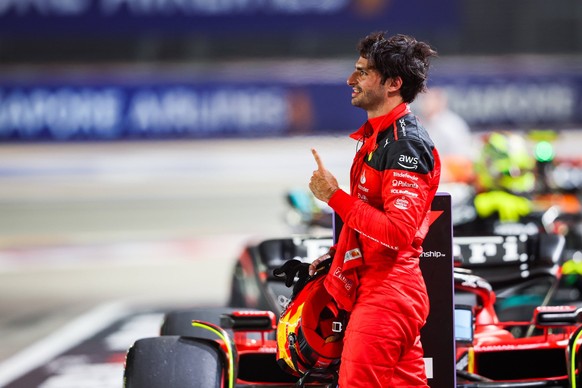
(504, 184)
(375, 272)
(450, 133)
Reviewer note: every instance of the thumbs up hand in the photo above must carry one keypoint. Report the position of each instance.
(322, 184)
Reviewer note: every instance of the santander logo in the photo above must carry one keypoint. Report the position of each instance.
(402, 203)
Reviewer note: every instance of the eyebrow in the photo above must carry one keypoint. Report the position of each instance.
(367, 69)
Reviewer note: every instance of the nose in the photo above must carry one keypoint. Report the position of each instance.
(351, 81)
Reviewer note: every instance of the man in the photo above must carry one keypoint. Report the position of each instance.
(375, 272)
(450, 133)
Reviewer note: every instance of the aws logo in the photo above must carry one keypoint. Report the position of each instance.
(408, 162)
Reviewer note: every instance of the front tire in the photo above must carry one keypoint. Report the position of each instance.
(173, 361)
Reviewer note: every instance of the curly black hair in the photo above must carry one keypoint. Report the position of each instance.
(399, 56)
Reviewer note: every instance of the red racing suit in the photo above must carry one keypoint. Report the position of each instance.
(375, 272)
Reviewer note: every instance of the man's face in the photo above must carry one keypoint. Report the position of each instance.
(367, 91)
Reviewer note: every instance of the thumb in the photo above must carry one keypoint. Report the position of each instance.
(317, 158)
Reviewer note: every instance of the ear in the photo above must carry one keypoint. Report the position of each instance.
(394, 84)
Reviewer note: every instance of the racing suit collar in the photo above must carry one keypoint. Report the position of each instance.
(377, 124)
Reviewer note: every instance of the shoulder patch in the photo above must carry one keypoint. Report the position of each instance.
(404, 146)
(410, 155)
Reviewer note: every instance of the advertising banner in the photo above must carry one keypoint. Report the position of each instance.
(320, 17)
(279, 101)
(114, 111)
(515, 100)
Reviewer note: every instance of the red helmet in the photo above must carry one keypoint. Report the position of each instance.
(310, 331)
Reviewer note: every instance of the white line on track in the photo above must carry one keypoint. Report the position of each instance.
(70, 335)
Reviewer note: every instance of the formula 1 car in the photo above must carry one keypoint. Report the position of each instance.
(235, 346)
(230, 346)
(547, 355)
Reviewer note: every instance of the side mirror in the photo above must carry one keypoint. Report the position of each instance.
(249, 321)
(556, 316)
(463, 324)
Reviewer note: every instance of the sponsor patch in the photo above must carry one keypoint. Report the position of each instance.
(347, 283)
(363, 188)
(405, 175)
(402, 123)
(352, 255)
(404, 192)
(408, 162)
(402, 203)
(402, 183)
(363, 197)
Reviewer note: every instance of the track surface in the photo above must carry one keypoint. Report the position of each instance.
(84, 226)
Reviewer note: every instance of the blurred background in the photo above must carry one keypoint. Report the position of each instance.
(143, 142)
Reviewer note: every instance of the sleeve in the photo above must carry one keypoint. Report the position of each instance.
(407, 176)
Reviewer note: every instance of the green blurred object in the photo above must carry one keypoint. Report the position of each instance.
(544, 151)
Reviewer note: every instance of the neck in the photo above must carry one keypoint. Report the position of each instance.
(386, 108)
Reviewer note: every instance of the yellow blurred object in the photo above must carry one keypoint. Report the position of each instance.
(572, 267)
(505, 163)
(509, 207)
